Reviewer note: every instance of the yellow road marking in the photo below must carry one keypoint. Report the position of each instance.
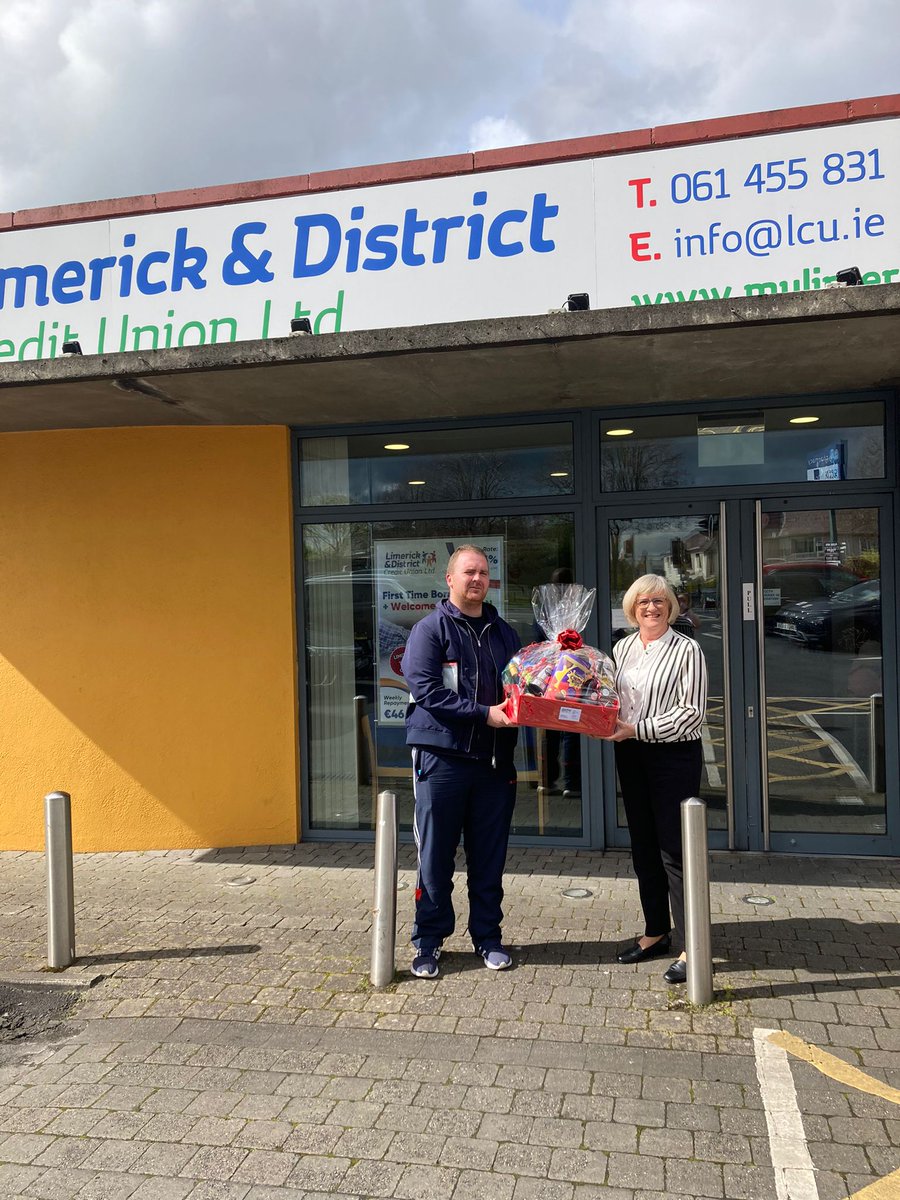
(834, 1067)
(887, 1188)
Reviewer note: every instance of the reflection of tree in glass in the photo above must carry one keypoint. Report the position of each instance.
(859, 528)
(474, 477)
(639, 467)
(461, 477)
(868, 462)
(327, 541)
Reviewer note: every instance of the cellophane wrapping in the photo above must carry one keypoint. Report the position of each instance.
(561, 683)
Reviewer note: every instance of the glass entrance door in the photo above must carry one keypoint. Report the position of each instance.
(687, 548)
(822, 587)
(792, 602)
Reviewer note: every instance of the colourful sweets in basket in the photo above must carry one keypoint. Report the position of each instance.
(561, 683)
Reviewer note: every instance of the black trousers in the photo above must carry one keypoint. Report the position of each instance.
(655, 777)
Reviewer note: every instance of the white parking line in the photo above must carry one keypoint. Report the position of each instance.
(713, 774)
(837, 749)
(794, 1175)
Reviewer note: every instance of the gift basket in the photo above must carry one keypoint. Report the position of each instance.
(561, 683)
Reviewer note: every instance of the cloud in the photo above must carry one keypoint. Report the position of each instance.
(122, 97)
(492, 133)
(632, 63)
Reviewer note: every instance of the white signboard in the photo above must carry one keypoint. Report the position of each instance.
(750, 216)
(414, 574)
(754, 216)
(470, 246)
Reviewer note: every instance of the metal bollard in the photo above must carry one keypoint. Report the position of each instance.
(384, 905)
(697, 932)
(60, 882)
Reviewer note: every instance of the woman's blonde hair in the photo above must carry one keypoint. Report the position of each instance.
(648, 585)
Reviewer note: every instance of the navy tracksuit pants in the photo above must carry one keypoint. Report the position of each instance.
(460, 797)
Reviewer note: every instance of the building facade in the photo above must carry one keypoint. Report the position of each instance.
(216, 535)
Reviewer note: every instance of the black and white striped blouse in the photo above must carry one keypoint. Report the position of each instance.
(662, 686)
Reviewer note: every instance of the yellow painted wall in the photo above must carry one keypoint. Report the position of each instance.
(147, 644)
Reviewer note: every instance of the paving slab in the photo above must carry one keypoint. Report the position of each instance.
(231, 1044)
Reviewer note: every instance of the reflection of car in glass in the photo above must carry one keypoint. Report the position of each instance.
(339, 600)
(843, 621)
(786, 583)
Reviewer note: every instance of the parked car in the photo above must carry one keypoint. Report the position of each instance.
(787, 583)
(843, 621)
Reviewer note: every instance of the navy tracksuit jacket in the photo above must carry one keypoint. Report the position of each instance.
(463, 774)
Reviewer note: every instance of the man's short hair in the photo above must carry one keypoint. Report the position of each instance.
(466, 548)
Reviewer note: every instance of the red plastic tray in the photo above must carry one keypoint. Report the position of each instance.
(595, 720)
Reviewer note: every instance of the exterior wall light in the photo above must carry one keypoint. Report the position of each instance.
(618, 432)
(802, 420)
(301, 325)
(396, 446)
(577, 302)
(849, 278)
(71, 347)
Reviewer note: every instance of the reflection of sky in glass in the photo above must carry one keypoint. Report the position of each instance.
(657, 542)
(485, 463)
(468, 475)
(667, 453)
(649, 540)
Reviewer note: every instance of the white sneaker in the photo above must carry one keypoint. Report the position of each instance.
(496, 959)
(425, 964)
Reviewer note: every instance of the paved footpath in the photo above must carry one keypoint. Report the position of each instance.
(233, 1047)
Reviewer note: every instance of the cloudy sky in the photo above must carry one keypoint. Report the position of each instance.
(107, 98)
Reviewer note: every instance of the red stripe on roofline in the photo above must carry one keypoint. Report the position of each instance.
(630, 141)
(569, 148)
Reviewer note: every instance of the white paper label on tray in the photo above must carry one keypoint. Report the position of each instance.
(570, 714)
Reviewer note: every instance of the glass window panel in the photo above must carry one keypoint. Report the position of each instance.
(824, 682)
(488, 463)
(830, 442)
(365, 585)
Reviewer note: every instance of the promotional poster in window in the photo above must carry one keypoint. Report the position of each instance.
(411, 581)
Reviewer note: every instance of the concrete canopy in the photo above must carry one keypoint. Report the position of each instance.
(834, 340)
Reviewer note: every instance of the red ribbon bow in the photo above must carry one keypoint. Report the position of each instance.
(570, 639)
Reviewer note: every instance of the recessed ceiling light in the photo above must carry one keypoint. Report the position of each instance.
(618, 432)
(559, 474)
(416, 482)
(397, 446)
(803, 420)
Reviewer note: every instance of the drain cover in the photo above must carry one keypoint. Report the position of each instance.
(239, 880)
(577, 893)
(759, 901)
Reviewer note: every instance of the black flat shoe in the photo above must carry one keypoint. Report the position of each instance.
(637, 953)
(677, 973)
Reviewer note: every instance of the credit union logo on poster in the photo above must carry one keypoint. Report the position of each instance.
(413, 571)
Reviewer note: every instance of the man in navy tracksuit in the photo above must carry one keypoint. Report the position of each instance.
(463, 774)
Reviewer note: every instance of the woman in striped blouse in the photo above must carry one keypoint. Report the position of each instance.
(661, 680)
